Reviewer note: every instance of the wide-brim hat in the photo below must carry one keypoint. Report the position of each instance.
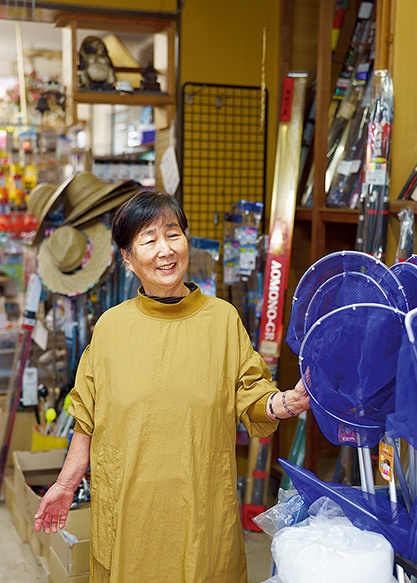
(86, 191)
(43, 199)
(73, 261)
(78, 193)
(110, 203)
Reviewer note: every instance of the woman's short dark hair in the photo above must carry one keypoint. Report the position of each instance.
(140, 211)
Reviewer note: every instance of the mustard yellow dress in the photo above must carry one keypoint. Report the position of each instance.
(160, 390)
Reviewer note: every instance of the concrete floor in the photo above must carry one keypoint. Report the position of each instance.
(17, 564)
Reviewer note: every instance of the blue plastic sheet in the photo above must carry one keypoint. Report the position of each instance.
(364, 510)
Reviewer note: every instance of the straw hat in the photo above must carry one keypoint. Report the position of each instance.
(44, 199)
(72, 261)
(111, 202)
(86, 191)
(78, 193)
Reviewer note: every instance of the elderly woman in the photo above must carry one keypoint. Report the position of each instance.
(156, 400)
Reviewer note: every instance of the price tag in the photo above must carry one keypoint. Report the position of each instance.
(365, 10)
(169, 170)
(40, 335)
(30, 386)
(386, 461)
(344, 167)
(376, 177)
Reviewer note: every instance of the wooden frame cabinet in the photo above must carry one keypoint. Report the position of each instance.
(163, 102)
(321, 215)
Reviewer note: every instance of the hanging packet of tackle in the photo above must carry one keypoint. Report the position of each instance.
(350, 164)
(356, 71)
(204, 258)
(247, 233)
(231, 248)
(406, 238)
(281, 226)
(360, 46)
(377, 163)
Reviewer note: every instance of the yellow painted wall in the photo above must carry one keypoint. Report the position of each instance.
(222, 44)
(404, 144)
(404, 141)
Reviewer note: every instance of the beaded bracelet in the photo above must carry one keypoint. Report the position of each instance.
(271, 410)
(284, 404)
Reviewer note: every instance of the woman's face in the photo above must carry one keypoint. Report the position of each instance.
(159, 257)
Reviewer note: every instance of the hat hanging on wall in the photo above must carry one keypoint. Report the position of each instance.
(77, 194)
(107, 204)
(44, 199)
(86, 192)
(72, 261)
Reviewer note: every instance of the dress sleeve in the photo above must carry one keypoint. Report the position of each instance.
(253, 388)
(83, 395)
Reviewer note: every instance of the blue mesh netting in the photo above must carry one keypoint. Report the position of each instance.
(403, 421)
(329, 266)
(364, 510)
(406, 273)
(340, 290)
(348, 361)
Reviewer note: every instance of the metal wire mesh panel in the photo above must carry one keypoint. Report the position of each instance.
(223, 153)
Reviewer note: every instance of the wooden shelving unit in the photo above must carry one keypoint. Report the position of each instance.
(327, 215)
(335, 215)
(396, 205)
(164, 102)
(320, 230)
(116, 98)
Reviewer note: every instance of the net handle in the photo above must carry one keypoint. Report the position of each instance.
(409, 317)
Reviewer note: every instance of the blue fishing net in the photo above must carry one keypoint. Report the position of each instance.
(364, 510)
(340, 290)
(329, 266)
(348, 362)
(406, 273)
(403, 421)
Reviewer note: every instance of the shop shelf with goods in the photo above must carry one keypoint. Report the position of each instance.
(161, 31)
(320, 230)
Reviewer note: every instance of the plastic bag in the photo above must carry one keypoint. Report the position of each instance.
(406, 239)
(327, 547)
(289, 510)
(204, 257)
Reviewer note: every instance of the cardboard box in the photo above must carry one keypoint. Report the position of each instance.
(35, 468)
(22, 430)
(75, 558)
(9, 495)
(19, 521)
(58, 574)
(38, 468)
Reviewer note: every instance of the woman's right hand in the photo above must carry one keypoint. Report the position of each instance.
(53, 508)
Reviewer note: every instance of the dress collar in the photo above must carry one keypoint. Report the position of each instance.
(186, 307)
